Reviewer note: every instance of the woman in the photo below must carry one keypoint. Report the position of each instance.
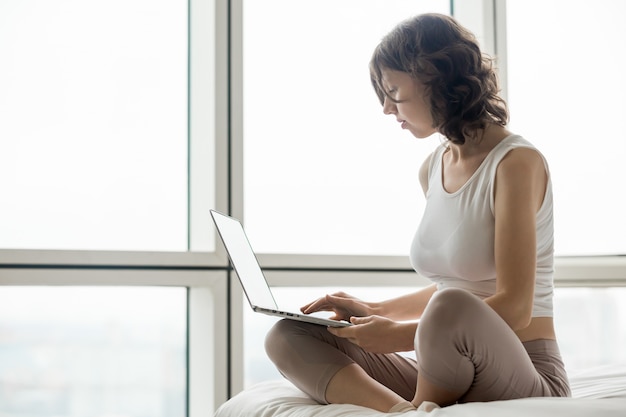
(485, 330)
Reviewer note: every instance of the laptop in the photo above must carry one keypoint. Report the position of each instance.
(251, 276)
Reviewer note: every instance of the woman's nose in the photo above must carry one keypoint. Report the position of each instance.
(389, 107)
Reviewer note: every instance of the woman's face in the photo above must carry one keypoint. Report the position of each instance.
(411, 106)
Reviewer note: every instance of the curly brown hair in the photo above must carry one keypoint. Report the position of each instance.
(461, 82)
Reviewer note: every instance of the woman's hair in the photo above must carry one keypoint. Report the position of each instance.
(460, 82)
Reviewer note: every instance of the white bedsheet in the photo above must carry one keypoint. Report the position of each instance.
(597, 392)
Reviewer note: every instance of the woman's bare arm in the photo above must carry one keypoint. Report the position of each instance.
(406, 307)
(521, 182)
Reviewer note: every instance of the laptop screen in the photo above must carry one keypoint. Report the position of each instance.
(244, 261)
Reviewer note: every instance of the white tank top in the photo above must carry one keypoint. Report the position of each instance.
(454, 244)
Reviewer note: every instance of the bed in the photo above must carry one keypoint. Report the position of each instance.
(599, 391)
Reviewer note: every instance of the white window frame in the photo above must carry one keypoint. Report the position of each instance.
(205, 274)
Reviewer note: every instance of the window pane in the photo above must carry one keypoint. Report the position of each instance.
(93, 124)
(590, 324)
(93, 351)
(565, 96)
(321, 161)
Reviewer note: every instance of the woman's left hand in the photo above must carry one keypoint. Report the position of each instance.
(378, 334)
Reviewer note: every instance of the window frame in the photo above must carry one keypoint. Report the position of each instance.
(205, 274)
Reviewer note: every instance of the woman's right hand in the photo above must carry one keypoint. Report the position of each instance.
(343, 305)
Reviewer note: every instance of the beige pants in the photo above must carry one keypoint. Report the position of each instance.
(461, 345)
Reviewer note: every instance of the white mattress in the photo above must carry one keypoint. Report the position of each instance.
(597, 392)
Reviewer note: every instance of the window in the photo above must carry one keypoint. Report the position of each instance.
(590, 325)
(106, 153)
(565, 96)
(93, 138)
(93, 351)
(325, 172)
(118, 155)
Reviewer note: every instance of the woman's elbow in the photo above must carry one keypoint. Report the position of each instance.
(520, 318)
(514, 311)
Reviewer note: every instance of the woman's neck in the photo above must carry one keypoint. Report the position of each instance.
(479, 143)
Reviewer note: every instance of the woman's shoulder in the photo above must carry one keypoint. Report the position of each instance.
(515, 141)
(520, 160)
(424, 172)
(430, 164)
(523, 172)
(511, 149)
(514, 150)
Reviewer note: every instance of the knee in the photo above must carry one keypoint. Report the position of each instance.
(277, 338)
(281, 338)
(447, 309)
(451, 299)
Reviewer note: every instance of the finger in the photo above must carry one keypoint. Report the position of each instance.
(339, 301)
(327, 303)
(318, 305)
(343, 332)
(360, 320)
(311, 303)
(307, 308)
(341, 294)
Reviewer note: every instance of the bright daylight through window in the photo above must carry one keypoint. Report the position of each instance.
(93, 351)
(94, 125)
(114, 130)
(325, 171)
(93, 156)
(565, 94)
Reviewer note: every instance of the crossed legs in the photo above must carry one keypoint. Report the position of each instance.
(465, 351)
(333, 370)
(352, 385)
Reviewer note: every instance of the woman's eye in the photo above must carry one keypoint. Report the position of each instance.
(392, 93)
